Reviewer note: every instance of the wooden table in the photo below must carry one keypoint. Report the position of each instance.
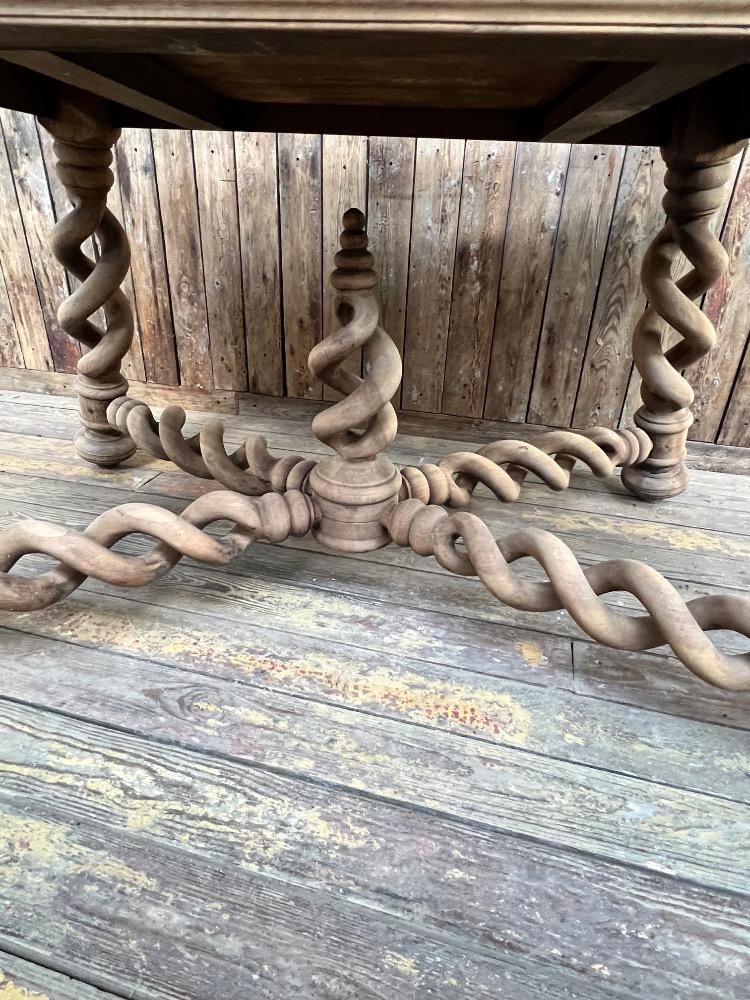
(672, 74)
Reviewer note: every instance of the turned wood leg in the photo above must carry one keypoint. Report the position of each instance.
(83, 150)
(698, 169)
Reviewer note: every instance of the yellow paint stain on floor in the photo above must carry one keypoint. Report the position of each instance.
(439, 702)
(532, 653)
(405, 964)
(9, 991)
(673, 536)
(34, 847)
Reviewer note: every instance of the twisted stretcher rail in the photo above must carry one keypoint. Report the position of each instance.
(502, 466)
(272, 517)
(431, 530)
(250, 469)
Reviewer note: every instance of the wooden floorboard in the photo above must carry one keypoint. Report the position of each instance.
(362, 778)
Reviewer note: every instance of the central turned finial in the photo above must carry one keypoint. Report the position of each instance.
(354, 487)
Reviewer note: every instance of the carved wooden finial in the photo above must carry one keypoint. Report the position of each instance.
(354, 263)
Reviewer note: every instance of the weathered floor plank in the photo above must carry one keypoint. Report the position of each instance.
(23, 980)
(305, 886)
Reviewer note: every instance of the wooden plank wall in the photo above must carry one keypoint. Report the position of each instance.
(509, 270)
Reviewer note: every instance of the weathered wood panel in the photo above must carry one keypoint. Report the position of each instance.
(136, 173)
(389, 206)
(593, 175)
(175, 177)
(535, 200)
(485, 192)
(437, 190)
(216, 183)
(509, 272)
(620, 298)
(301, 210)
(38, 217)
(258, 201)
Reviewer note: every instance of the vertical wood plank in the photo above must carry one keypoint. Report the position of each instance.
(389, 204)
(216, 184)
(536, 195)
(19, 276)
(175, 177)
(585, 217)
(300, 201)
(727, 305)
(133, 366)
(344, 187)
(136, 173)
(11, 355)
(258, 201)
(620, 299)
(735, 429)
(38, 218)
(437, 190)
(485, 193)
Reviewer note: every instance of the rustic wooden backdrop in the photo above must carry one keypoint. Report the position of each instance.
(509, 270)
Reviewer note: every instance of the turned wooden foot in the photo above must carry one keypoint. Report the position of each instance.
(83, 147)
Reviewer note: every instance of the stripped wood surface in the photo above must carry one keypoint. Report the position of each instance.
(509, 271)
(315, 775)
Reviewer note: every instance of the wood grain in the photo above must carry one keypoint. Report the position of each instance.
(437, 190)
(10, 345)
(389, 208)
(136, 173)
(728, 308)
(23, 980)
(586, 214)
(485, 192)
(300, 200)
(216, 183)
(19, 276)
(175, 177)
(536, 196)
(607, 363)
(258, 204)
(344, 187)
(38, 218)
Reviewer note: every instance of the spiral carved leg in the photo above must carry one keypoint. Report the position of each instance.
(273, 517)
(503, 465)
(250, 469)
(83, 147)
(354, 487)
(695, 182)
(431, 530)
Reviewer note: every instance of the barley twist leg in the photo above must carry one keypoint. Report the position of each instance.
(431, 530)
(354, 486)
(695, 181)
(83, 147)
